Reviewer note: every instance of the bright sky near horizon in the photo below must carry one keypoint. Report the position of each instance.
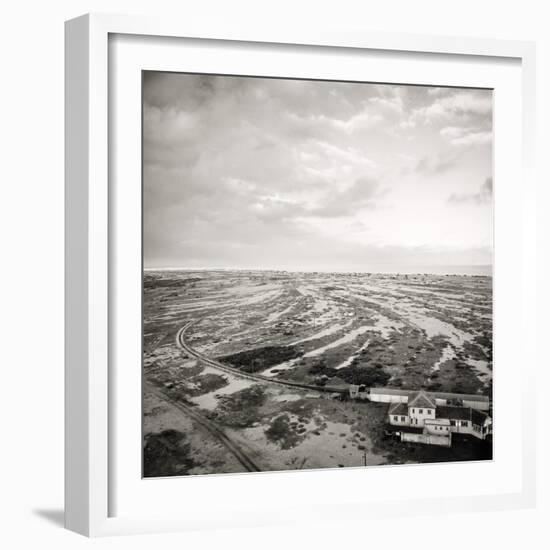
(311, 175)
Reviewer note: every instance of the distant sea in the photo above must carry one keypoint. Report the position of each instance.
(486, 270)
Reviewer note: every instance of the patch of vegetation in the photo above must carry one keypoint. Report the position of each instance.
(320, 369)
(156, 282)
(206, 383)
(303, 408)
(484, 349)
(367, 375)
(409, 360)
(167, 454)
(458, 377)
(258, 359)
(240, 409)
(282, 431)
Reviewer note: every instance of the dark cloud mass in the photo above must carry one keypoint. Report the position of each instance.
(256, 172)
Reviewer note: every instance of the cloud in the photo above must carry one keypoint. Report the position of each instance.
(462, 102)
(272, 209)
(365, 119)
(466, 136)
(436, 164)
(483, 196)
(239, 170)
(360, 195)
(436, 91)
(474, 138)
(448, 105)
(391, 99)
(453, 132)
(358, 226)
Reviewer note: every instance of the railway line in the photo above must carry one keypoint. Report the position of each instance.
(191, 352)
(244, 459)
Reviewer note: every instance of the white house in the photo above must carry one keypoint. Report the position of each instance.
(423, 412)
(421, 408)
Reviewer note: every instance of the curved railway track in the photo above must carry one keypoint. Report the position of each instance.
(191, 352)
(211, 427)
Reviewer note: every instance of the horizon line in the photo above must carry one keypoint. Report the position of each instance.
(377, 271)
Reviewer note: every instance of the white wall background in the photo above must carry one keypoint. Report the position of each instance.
(31, 259)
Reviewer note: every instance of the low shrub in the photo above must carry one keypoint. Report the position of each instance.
(280, 431)
(258, 359)
(369, 376)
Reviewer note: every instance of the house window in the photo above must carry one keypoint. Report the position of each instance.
(453, 422)
(395, 418)
(429, 411)
(402, 419)
(420, 411)
(464, 423)
(412, 410)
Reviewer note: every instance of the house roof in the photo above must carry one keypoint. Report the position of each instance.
(421, 399)
(479, 417)
(463, 396)
(398, 409)
(453, 413)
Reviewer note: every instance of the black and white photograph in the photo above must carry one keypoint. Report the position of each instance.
(276, 274)
(317, 283)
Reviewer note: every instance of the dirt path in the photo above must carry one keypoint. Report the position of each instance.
(208, 425)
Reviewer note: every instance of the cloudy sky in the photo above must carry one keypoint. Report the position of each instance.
(312, 175)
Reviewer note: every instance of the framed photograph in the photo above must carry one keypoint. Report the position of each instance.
(298, 275)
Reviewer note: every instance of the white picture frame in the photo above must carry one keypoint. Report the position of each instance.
(91, 398)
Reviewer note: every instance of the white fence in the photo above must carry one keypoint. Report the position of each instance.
(427, 439)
